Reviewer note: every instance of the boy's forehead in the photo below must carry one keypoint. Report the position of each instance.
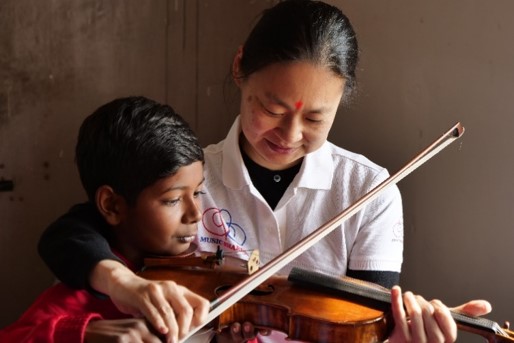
(186, 177)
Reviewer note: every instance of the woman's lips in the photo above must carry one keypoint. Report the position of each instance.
(280, 149)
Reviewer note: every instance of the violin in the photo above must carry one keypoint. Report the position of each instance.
(306, 305)
(303, 313)
(312, 313)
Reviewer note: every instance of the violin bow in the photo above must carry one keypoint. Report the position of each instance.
(237, 292)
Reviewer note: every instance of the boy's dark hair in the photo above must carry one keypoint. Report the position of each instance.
(130, 143)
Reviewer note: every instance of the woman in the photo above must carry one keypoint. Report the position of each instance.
(276, 178)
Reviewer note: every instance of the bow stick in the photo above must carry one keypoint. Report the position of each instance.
(237, 292)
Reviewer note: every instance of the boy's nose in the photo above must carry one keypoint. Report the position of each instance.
(193, 213)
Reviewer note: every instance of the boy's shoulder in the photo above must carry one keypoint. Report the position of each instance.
(82, 214)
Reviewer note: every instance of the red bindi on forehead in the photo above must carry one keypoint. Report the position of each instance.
(298, 105)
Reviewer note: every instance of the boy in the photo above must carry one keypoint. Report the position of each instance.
(142, 168)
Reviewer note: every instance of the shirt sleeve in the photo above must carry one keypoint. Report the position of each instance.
(73, 244)
(379, 242)
(56, 316)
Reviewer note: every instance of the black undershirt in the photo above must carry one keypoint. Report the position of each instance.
(272, 185)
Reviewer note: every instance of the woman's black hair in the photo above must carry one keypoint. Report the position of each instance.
(130, 143)
(303, 30)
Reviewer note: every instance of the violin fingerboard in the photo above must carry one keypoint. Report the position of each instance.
(368, 290)
(344, 285)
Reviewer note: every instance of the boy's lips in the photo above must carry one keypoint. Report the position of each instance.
(186, 239)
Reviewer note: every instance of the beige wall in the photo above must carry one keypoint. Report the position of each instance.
(425, 65)
(58, 61)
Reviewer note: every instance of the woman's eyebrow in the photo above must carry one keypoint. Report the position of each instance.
(273, 98)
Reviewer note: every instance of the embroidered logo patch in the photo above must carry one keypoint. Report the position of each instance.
(219, 223)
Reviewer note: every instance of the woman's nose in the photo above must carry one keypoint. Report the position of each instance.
(292, 129)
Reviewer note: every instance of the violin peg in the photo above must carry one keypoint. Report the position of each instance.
(253, 262)
(506, 325)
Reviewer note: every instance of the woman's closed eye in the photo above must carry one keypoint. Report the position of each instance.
(273, 112)
(272, 109)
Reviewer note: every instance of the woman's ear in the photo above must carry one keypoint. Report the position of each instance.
(111, 205)
(236, 66)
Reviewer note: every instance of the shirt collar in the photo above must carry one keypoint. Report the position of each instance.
(235, 174)
(317, 169)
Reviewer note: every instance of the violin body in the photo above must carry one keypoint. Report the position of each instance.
(303, 313)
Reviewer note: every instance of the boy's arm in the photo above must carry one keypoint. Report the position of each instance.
(170, 308)
(76, 249)
(58, 314)
(48, 329)
(74, 244)
(62, 314)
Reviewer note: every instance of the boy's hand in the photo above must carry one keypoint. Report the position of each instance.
(171, 309)
(119, 330)
(424, 321)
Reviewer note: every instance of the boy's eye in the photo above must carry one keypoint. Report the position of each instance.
(171, 202)
(198, 193)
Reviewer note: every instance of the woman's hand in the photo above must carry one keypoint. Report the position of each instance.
(238, 333)
(171, 309)
(427, 321)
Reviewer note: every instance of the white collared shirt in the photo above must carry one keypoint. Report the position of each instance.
(237, 218)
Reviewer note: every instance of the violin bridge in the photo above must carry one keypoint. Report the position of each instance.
(252, 265)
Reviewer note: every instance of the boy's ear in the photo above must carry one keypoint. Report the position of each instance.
(236, 66)
(111, 205)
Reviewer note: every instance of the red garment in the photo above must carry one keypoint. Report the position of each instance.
(60, 314)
